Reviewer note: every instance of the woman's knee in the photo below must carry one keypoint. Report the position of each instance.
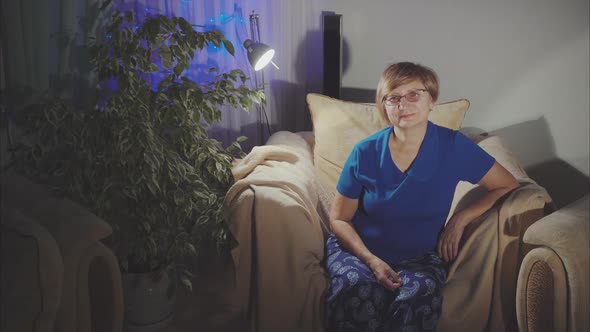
(417, 286)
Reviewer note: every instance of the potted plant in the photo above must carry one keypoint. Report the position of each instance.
(140, 157)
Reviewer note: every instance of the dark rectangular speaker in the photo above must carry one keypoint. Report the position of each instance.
(332, 55)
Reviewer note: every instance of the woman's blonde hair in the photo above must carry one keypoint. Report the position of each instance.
(401, 73)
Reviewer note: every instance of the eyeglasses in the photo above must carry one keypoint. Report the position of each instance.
(412, 97)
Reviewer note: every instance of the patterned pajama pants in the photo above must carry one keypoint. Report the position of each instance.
(357, 302)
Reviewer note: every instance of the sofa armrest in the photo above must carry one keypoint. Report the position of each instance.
(566, 233)
(32, 275)
(308, 136)
(99, 291)
(541, 292)
(76, 232)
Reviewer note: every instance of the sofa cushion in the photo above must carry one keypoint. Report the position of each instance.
(338, 125)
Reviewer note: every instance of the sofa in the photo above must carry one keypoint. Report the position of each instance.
(553, 292)
(277, 212)
(56, 274)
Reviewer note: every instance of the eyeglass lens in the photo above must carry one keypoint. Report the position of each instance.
(412, 96)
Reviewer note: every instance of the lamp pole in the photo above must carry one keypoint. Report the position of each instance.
(255, 37)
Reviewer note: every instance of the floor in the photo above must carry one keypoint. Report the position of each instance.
(206, 308)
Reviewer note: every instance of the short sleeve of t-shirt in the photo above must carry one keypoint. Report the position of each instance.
(471, 160)
(348, 184)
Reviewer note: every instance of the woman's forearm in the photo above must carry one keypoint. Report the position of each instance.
(350, 240)
(477, 208)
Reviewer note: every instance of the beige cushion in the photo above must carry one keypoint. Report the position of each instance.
(497, 148)
(338, 125)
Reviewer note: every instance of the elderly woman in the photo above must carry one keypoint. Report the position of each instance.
(390, 249)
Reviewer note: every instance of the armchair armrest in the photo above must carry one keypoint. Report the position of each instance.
(553, 284)
(541, 299)
(77, 233)
(32, 274)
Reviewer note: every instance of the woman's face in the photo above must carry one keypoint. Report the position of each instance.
(413, 107)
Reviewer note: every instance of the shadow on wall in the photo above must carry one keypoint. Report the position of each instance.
(564, 183)
(534, 145)
(358, 95)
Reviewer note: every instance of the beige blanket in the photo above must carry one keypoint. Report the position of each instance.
(481, 286)
(279, 277)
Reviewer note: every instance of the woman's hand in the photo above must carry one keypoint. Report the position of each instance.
(384, 273)
(448, 243)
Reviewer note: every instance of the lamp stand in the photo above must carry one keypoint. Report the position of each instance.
(259, 84)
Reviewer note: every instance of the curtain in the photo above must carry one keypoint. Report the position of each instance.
(44, 46)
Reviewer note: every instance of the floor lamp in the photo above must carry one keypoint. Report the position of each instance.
(259, 56)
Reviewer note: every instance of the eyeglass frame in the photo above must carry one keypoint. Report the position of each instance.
(385, 99)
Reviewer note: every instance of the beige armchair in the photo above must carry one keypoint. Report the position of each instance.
(277, 212)
(56, 274)
(553, 292)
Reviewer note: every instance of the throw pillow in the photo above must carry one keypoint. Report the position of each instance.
(338, 125)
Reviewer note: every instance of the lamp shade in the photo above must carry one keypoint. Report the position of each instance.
(259, 54)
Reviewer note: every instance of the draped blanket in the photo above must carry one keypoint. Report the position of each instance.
(480, 293)
(271, 211)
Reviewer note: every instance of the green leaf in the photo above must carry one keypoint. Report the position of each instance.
(152, 188)
(129, 16)
(184, 25)
(178, 69)
(241, 138)
(186, 283)
(166, 56)
(153, 68)
(229, 46)
(192, 249)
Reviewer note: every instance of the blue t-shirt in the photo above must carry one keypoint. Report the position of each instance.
(400, 214)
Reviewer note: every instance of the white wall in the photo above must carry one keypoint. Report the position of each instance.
(516, 60)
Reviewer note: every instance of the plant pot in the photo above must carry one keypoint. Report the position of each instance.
(149, 300)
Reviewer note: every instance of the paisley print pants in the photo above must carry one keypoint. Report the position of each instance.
(357, 302)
